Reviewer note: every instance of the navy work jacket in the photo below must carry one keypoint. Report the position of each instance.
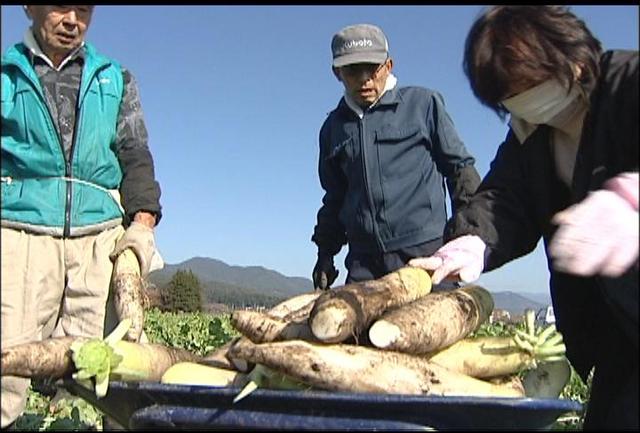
(384, 174)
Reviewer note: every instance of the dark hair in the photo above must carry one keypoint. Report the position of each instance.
(529, 44)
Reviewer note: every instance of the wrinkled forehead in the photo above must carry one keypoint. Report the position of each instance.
(42, 10)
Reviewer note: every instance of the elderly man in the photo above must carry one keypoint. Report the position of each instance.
(386, 153)
(76, 170)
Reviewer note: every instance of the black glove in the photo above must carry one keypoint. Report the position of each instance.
(324, 273)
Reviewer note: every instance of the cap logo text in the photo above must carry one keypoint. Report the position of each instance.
(358, 43)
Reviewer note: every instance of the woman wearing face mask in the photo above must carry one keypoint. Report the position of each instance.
(567, 172)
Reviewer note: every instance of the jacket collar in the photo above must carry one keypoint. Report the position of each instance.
(31, 43)
(389, 96)
(20, 56)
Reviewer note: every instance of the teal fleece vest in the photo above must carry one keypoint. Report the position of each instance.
(40, 191)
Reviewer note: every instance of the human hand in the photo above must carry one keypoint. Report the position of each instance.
(324, 272)
(460, 259)
(625, 185)
(140, 238)
(598, 236)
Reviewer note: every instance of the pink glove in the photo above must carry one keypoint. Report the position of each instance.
(599, 236)
(462, 257)
(626, 185)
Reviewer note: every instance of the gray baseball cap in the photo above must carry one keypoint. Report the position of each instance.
(360, 43)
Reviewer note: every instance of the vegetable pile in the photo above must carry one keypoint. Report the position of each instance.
(390, 335)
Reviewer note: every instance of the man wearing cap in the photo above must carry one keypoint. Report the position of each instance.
(386, 153)
(78, 184)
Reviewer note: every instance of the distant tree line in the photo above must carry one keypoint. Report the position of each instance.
(184, 292)
(222, 293)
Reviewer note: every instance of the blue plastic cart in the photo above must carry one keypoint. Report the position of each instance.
(150, 405)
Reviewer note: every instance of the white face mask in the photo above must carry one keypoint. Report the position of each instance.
(541, 104)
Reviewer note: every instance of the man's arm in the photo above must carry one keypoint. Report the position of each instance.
(139, 190)
(462, 183)
(451, 156)
(329, 234)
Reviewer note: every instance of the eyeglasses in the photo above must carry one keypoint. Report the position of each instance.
(356, 69)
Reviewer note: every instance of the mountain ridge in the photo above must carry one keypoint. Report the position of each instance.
(221, 281)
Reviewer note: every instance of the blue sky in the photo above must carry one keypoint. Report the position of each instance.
(234, 97)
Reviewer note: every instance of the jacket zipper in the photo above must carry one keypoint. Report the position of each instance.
(58, 138)
(363, 147)
(76, 128)
(67, 169)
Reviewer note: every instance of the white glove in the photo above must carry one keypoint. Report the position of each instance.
(141, 240)
(462, 257)
(156, 261)
(599, 236)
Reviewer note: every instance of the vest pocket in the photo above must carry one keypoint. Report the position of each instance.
(38, 202)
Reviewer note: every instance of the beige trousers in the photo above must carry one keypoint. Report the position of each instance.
(51, 287)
